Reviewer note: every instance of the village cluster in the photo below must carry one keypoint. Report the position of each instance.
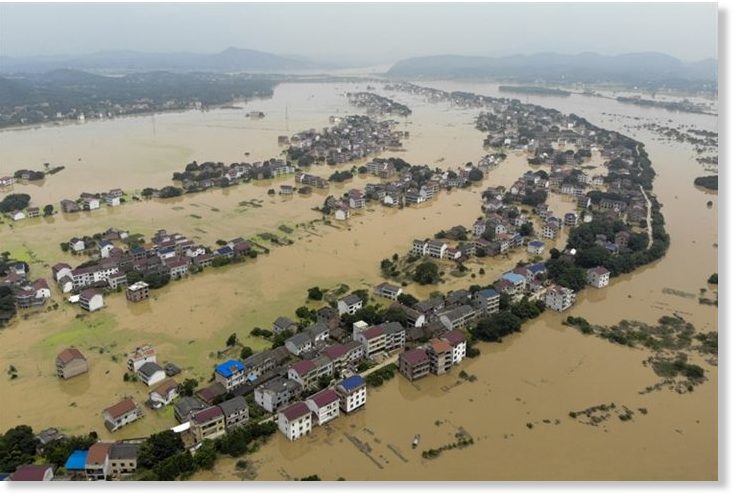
(327, 360)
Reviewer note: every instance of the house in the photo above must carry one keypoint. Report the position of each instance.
(457, 341)
(414, 364)
(307, 371)
(60, 270)
(98, 462)
(344, 354)
(518, 281)
(284, 324)
(299, 343)
(231, 374)
(104, 247)
(276, 393)
(178, 267)
(16, 215)
(436, 248)
(208, 424)
(352, 393)
(559, 298)
(324, 405)
(373, 339)
(117, 279)
(151, 373)
(138, 291)
(388, 291)
(550, 230)
(89, 203)
(235, 410)
(488, 299)
(123, 458)
(414, 318)
(76, 244)
(124, 412)
(69, 206)
(457, 317)
(186, 407)
(536, 247)
(33, 472)
(349, 304)
(163, 394)
(140, 356)
(211, 394)
(294, 421)
(440, 356)
(598, 277)
(70, 362)
(91, 299)
(48, 436)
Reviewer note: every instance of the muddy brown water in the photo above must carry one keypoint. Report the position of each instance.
(542, 373)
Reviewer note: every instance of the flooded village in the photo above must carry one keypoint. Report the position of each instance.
(392, 298)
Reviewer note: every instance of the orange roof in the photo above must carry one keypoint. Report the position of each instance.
(98, 453)
(440, 346)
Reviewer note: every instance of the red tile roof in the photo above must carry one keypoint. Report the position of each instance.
(335, 351)
(68, 355)
(324, 397)
(208, 414)
(98, 453)
(414, 356)
(30, 472)
(122, 407)
(454, 337)
(295, 411)
(303, 367)
(373, 332)
(440, 346)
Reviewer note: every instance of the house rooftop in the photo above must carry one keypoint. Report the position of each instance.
(414, 356)
(295, 411)
(440, 346)
(303, 367)
(324, 397)
(98, 453)
(229, 368)
(351, 299)
(149, 369)
(68, 355)
(121, 450)
(352, 383)
(233, 405)
(454, 337)
(206, 415)
(122, 407)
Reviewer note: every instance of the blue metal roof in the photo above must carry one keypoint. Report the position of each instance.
(77, 461)
(536, 268)
(228, 368)
(536, 243)
(352, 382)
(487, 293)
(513, 278)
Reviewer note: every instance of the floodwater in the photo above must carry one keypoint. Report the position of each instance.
(540, 374)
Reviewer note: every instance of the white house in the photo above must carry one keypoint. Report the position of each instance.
(294, 421)
(151, 373)
(598, 277)
(349, 304)
(91, 300)
(352, 393)
(457, 340)
(536, 247)
(324, 405)
(559, 298)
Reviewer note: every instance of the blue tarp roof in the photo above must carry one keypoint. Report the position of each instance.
(228, 368)
(536, 268)
(352, 382)
(536, 243)
(77, 461)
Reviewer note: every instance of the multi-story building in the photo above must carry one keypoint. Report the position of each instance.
(294, 421)
(230, 373)
(414, 364)
(208, 424)
(352, 393)
(559, 298)
(276, 393)
(324, 405)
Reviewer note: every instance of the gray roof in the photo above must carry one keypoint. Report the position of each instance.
(149, 368)
(233, 405)
(392, 327)
(124, 451)
(188, 404)
(300, 339)
(351, 299)
(459, 312)
(283, 322)
(278, 385)
(316, 329)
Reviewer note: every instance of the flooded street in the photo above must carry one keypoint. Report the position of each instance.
(536, 376)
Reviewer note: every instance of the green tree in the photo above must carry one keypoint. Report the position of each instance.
(186, 388)
(48, 210)
(17, 447)
(206, 455)
(158, 447)
(315, 293)
(407, 299)
(246, 352)
(232, 340)
(426, 273)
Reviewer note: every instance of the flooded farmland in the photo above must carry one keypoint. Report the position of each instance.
(536, 376)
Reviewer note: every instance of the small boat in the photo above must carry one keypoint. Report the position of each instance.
(416, 440)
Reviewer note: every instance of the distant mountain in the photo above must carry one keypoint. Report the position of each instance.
(229, 60)
(632, 68)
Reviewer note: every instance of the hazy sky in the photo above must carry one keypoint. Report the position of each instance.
(364, 33)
